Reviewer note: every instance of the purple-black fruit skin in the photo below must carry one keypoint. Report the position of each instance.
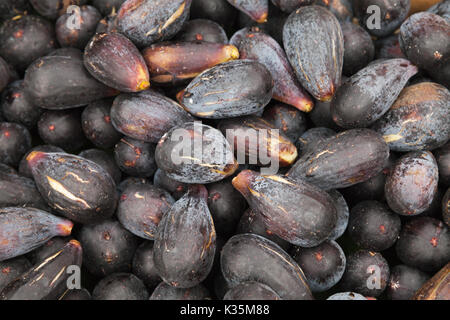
(11, 269)
(176, 189)
(107, 6)
(217, 10)
(202, 30)
(442, 156)
(143, 265)
(120, 286)
(312, 137)
(15, 141)
(167, 292)
(446, 208)
(404, 281)
(251, 290)
(11, 8)
(135, 158)
(76, 294)
(24, 168)
(105, 160)
(291, 122)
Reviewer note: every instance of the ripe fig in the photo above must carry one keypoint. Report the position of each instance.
(15, 140)
(257, 10)
(251, 290)
(166, 292)
(437, 287)
(291, 5)
(52, 9)
(202, 30)
(135, 157)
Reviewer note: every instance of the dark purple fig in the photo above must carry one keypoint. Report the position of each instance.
(348, 158)
(342, 214)
(125, 183)
(147, 116)
(135, 158)
(11, 8)
(265, 144)
(249, 257)
(97, 126)
(359, 49)
(437, 287)
(120, 286)
(18, 191)
(107, 6)
(24, 169)
(257, 10)
(366, 272)
(17, 107)
(203, 156)
(25, 38)
(323, 265)
(291, 5)
(76, 188)
(264, 49)
(185, 243)
(442, 9)
(202, 30)
(76, 294)
(114, 60)
(443, 160)
(404, 281)
(62, 82)
(15, 141)
(342, 9)
(62, 128)
(75, 28)
(176, 189)
(12, 269)
(166, 292)
(312, 137)
(424, 243)
(143, 265)
(241, 34)
(446, 208)
(177, 62)
(251, 290)
(108, 24)
(412, 183)
(389, 48)
(47, 249)
(147, 21)
(52, 9)
(290, 121)
(48, 279)
(368, 95)
(232, 89)
(373, 226)
(316, 56)
(25, 229)
(418, 120)
(346, 295)
(297, 212)
(108, 247)
(105, 160)
(217, 10)
(7, 74)
(67, 52)
(141, 208)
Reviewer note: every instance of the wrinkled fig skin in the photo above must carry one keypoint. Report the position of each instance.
(77, 37)
(312, 137)
(107, 6)
(115, 61)
(342, 214)
(62, 82)
(446, 208)
(251, 290)
(257, 10)
(424, 243)
(97, 126)
(11, 269)
(348, 158)
(264, 49)
(368, 95)
(105, 160)
(120, 286)
(232, 89)
(442, 9)
(290, 5)
(15, 141)
(373, 226)
(202, 30)
(389, 48)
(143, 265)
(24, 229)
(18, 191)
(76, 188)
(50, 247)
(146, 116)
(141, 208)
(291, 122)
(418, 120)
(24, 168)
(437, 287)
(342, 9)
(176, 189)
(25, 39)
(108, 247)
(182, 164)
(297, 212)
(404, 281)
(76, 294)
(360, 266)
(277, 148)
(45, 280)
(175, 63)
(323, 265)
(7, 74)
(166, 292)
(443, 160)
(166, 19)
(316, 56)
(412, 183)
(52, 9)
(185, 243)
(11, 8)
(135, 158)
(249, 257)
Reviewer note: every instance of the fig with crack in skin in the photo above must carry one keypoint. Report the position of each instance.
(107, 6)
(202, 156)
(264, 49)
(367, 96)
(418, 120)
(52, 9)
(295, 211)
(437, 287)
(147, 116)
(232, 89)
(219, 11)
(185, 242)
(147, 21)
(350, 157)
(115, 61)
(177, 62)
(25, 229)
(74, 187)
(312, 137)
(11, 269)
(314, 45)
(46, 280)
(257, 10)
(443, 160)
